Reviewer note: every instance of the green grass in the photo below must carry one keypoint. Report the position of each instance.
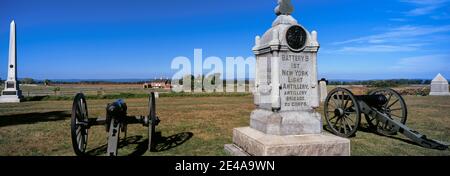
(136, 95)
(198, 125)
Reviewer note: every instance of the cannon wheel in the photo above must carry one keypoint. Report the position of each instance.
(152, 121)
(395, 108)
(342, 112)
(79, 124)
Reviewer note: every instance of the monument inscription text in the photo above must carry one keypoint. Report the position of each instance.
(295, 81)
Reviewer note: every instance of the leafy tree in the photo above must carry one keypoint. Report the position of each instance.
(27, 81)
(47, 82)
(56, 89)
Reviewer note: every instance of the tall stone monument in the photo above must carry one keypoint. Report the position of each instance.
(439, 86)
(323, 89)
(286, 95)
(12, 92)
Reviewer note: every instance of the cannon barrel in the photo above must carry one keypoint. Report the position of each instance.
(117, 108)
(376, 100)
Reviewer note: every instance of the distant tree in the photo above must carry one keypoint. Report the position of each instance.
(47, 82)
(198, 82)
(187, 86)
(56, 89)
(27, 81)
(383, 83)
(211, 82)
(427, 82)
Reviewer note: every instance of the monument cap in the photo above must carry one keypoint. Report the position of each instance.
(439, 79)
(284, 7)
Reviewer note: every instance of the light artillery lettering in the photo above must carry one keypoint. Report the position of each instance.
(295, 86)
(294, 79)
(295, 92)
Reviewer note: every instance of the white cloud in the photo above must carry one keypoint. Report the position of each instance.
(441, 16)
(424, 7)
(427, 63)
(378, 48)
(398, 34)
(397, 39)
(398, 19)
(402, 38)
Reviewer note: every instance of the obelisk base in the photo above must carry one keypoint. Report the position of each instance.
(14, 96)
(248, 141)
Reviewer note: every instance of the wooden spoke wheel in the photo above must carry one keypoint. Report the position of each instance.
(79, 124)
(394, 108)
(342, 112)
(152, 121)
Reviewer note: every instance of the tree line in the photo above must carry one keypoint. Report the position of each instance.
(212, 80)
(382, 83)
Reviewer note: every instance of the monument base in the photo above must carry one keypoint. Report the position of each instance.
(10, 99)
(8, 96)
(248, 141)
(287, 122)
(439, 94)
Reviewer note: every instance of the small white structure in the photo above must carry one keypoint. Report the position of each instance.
(323, 89)
(12, 92)
(439, 86)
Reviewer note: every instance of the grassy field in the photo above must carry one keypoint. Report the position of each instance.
(192, 126)
(88, 89)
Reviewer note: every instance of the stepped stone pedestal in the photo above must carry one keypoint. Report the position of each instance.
(248, 141)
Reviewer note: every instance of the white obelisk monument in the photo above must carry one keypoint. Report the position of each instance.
(11, 92)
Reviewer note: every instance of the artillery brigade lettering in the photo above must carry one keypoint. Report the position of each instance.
(295, 74)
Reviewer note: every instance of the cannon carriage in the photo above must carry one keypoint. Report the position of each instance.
(385, 111)
(115, 122)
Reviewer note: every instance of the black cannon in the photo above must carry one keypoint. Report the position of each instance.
(384, 110)
(116, 121)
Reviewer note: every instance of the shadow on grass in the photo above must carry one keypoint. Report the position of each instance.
(166, 143)
(35, 98)
(161, 144)
(367, 129)
(140, 149)
(31, 118)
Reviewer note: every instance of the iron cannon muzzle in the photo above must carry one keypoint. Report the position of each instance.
(116, 110)
(377, 100)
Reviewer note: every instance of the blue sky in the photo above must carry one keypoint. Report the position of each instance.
(104, 39)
